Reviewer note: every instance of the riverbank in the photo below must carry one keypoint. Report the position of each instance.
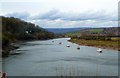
(12, 46)
(97, 43)
(7, 50)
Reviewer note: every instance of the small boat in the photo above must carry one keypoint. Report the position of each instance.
(99, 50)
(68, 46)
(52, 41)
(78, 47)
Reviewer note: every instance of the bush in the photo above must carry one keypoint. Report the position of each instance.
(5, 40)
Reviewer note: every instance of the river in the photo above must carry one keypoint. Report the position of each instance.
(47, 58)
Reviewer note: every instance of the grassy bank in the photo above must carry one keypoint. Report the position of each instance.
(97, 43)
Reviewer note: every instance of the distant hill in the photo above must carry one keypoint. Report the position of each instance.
(63, 30)
(111, 31)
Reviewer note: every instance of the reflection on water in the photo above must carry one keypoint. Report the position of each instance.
(48, 58)
(33, 44)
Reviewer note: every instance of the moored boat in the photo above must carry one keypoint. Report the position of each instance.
(99, 50)
(68, 46)
(78, 47)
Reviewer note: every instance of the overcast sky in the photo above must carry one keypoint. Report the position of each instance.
(63, 13)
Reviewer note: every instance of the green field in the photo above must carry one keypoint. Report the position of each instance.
(73, 33)
(78, 33)
(95, 30)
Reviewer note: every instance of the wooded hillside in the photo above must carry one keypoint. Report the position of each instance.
(14, 29)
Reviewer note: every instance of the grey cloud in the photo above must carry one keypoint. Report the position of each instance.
(55, 15)
(51, 15)
(74, 24)
(19, 15)
(57, 19)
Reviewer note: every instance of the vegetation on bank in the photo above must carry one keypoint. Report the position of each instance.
(15, 30)
(98, 43)
(100, 37)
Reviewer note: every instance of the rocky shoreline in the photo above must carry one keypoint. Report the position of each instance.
(6, 51)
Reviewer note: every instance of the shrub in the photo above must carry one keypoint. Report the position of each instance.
(5, 40)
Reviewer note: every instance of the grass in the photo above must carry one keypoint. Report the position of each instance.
(91, 31)
(96, 30)
(73, 33)
(97, 43)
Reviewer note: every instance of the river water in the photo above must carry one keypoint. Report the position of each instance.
(47, 58)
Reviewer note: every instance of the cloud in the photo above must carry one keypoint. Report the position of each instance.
(22, 15)
(56, 19)
(90, 15)
(56, 14)
(74, 24)
(51, 15)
